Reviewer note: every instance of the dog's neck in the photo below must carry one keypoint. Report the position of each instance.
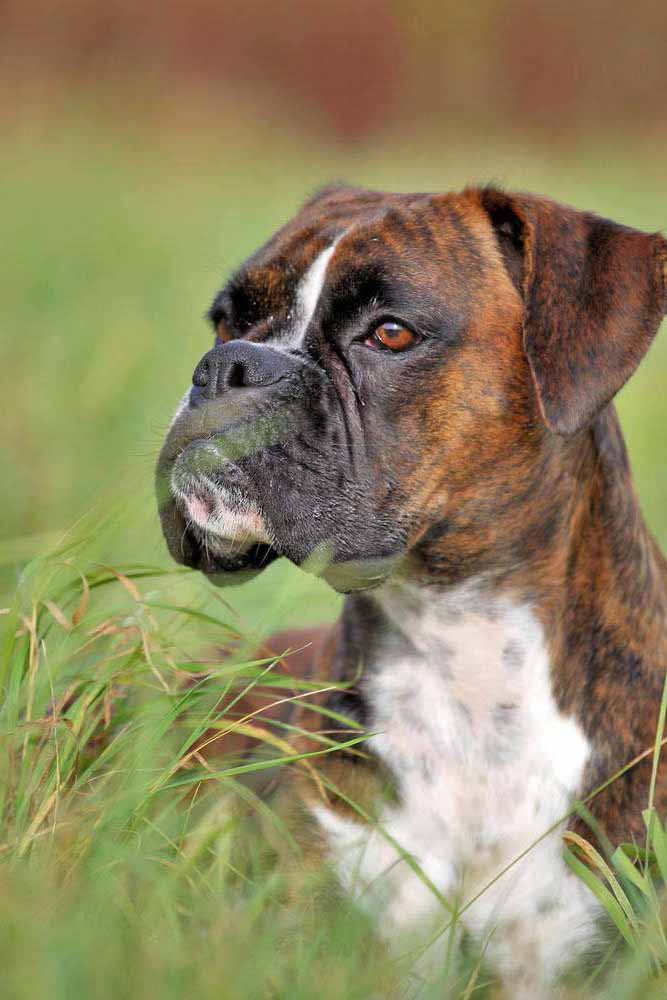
(604, 600)
(596, 588)
(588, 546)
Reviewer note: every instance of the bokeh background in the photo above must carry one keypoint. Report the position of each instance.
(147, 148)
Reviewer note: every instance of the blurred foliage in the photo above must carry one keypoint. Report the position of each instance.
(352, 68)
(129, 866)
(132, 865)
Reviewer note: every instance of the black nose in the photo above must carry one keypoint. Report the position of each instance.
(239, 365)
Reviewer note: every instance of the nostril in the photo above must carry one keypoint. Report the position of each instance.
(236, 376)
(240, 365)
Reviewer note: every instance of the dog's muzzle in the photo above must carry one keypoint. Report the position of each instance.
(239, 404)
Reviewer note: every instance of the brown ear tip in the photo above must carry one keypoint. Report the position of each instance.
(662, 254)
(561, 417)
(338, 191)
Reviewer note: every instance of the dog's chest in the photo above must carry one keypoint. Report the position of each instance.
(484, 764)
(467, 724)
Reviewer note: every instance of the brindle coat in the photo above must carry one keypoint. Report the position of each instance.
(488, 451)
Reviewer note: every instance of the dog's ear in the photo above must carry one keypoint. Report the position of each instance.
(341, 195)
(594, 294)
(335, 191)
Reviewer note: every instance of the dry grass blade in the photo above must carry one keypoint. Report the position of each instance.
(59, 615)
(595, 860)
(266, 736)
(125, 582)
(229, 728)
(82, 607)
(39, 818)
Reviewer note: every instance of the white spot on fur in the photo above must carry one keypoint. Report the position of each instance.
(484, 764)
(215, 517)
(220, 514)
(310, 288)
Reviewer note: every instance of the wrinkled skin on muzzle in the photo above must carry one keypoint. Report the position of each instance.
(284, 470)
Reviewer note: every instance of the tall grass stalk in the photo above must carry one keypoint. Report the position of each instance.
(131, 865)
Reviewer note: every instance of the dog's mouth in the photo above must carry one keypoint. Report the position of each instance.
(225, 510)
(209, 525)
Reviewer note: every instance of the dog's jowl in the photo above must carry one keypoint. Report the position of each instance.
(411, 396)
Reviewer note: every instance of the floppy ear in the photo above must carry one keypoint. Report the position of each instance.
(340, 193)
(594, 295)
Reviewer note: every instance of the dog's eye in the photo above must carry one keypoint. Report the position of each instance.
(222, 332)
(392, 337)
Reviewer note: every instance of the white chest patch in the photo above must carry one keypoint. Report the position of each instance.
(484, 765)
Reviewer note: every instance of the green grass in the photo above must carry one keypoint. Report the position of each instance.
(121, 872)
(130, 867)
(115, 857)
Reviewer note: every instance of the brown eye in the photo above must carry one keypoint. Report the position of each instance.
(393, 336)
(222, 332)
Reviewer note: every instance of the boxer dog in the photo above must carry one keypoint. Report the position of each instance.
(410, 394)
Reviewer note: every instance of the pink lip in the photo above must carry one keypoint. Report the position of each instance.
(199, 508)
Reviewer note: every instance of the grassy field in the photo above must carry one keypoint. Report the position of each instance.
(122, 872)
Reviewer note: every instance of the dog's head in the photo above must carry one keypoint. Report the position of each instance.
(391, 370)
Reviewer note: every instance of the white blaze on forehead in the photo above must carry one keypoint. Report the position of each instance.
(310, 288)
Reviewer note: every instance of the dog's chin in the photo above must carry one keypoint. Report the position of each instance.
(235, 567)
(209, 527)
(227, 549)
(221, 530)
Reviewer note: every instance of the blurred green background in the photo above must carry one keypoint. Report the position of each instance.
(146, 149)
